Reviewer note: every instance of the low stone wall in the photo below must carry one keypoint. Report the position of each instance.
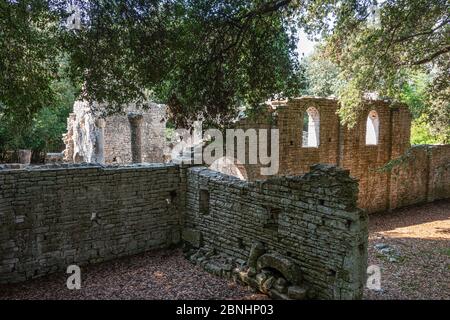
(421, 175)
(308, 223)
(56, 215)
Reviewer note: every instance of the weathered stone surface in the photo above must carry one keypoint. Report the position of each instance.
(318, 226)
(276, 295)
(297, 293)
(56, 215)
(280, 285)
(256, 251)
(289, 269)
(268, 284)
(87, 140)
(136, 120)
(261, 278)
(252, 271)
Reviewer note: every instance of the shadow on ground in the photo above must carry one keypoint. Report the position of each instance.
(412, 248)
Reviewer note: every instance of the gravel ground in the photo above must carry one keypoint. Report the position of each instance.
(161, 275)
(419, 238)
(414, 262)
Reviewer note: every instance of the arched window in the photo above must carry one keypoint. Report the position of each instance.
(372, 128)
(311, 128)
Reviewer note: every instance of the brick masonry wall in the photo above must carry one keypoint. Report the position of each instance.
(409, 179)
(54, 216)
(318, 226)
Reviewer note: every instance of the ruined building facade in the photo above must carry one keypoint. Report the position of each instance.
(94, 138)
(300, 234)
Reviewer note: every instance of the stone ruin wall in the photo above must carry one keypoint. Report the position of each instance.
(93, 140)
(311, 220)
(422, 175)
(56, 215)
(347, 148)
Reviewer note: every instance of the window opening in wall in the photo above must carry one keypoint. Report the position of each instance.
(372, 128)
(204, 201)
(240, 243)
(311, 128)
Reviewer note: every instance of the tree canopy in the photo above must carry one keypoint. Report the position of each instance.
(210, 57)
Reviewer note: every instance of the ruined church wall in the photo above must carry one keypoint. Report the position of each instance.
(118, 136)
(83, 133)
(421, 175)
(439, 169)
(54, 216)
(424, 178)
(364, 160)
(296, 159)
(318, 225)
(117, 139)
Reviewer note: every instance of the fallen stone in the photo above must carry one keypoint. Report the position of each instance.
(380, 246)
(296, 292)
(268, 284)
(213, 268)
(252, 272)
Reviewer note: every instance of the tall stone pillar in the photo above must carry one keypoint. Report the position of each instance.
(100, 143)
(135, 120)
